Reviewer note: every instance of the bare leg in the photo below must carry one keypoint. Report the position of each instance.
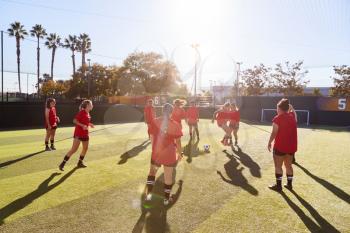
(47, 137)
(168, 182)
(278, 160)
(288, 160)
(52, 138)
(151, 180)
(75, 146)
(83, 153)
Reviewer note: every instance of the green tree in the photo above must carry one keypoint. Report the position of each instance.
(255, 80)
(341, 81)
(53, 41)
(52, 88)
(147, 73)
(38, 32)
(288, 79)
(71, 43)
(17, 30)
(316, 92)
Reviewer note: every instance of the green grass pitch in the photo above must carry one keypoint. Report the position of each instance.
(222, 191)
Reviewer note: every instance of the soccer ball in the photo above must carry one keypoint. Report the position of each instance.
(206, 148)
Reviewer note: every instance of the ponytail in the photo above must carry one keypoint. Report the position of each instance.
(167, 110)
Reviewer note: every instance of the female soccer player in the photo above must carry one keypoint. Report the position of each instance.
(178, 113)
(234, 121)
(166, 151)
(284, 135)
(221, 116)
(193, 118)
(149, 116)
(51, 121)
(81, 133)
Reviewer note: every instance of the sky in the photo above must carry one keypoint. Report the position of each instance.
(226, 32)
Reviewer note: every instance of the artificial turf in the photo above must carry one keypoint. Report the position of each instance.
(222, 191)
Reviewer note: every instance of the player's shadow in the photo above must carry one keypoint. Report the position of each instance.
(247, 161)
(133, 152)
(235, 175)
(322, 224)
(331, 187)
(24, 201)
(7, 163)
(153, 217)
(192, 150)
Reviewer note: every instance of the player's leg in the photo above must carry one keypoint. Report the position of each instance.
(47, 137)
(85, 145)
(235, 133)
(151, 179)
(168, 184)
(227, 131)
(288, 160)
(197, 131)
(52, 138)
(190, 127)
(75, 146)
(278, 161)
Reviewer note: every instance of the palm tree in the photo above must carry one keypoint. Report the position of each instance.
(17, 30)
(53, 42)
(84, 46)
(71, 43)
(39, 32)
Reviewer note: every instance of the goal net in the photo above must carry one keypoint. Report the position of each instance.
(303, 116)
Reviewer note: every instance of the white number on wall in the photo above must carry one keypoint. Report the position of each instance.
(156, 100)
(342, 104)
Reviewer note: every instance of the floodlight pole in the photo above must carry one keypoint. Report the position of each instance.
(195, 46)
(237, 78)
(2, 66)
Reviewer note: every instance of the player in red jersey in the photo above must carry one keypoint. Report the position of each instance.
(193, 118)
(284, 135)
(178, 113)
(221, 116)
(166, 151)
(149, 116)
(234, 121)
(82, 123)
(51, 121)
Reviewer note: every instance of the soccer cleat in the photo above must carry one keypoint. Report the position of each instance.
(288, 186)
(81, 164)
(47, 148)
(276, 188)
(52, 147)
(148, 197)
(168, 201)
(61, 166)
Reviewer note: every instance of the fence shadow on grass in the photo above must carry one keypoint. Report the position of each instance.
(153, 217)
(7, 163)
(24, 201)
(331, 187)
(133, 152)
(322, 224)
(235, 175)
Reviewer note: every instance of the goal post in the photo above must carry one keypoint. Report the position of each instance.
(303, 116)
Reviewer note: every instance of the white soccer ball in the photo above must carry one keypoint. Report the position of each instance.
(206, 147)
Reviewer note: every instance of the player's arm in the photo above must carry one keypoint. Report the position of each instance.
(291, 109)
(76, 122)
(178, 147)
(273, 135)
(47, 111)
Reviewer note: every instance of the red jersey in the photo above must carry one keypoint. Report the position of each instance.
(84, 118)
(222, 117)
(178, 114)
(164, 143)
(234, 116)
(149, 114)
(192, 115)
(52, 117)
(286, 139)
